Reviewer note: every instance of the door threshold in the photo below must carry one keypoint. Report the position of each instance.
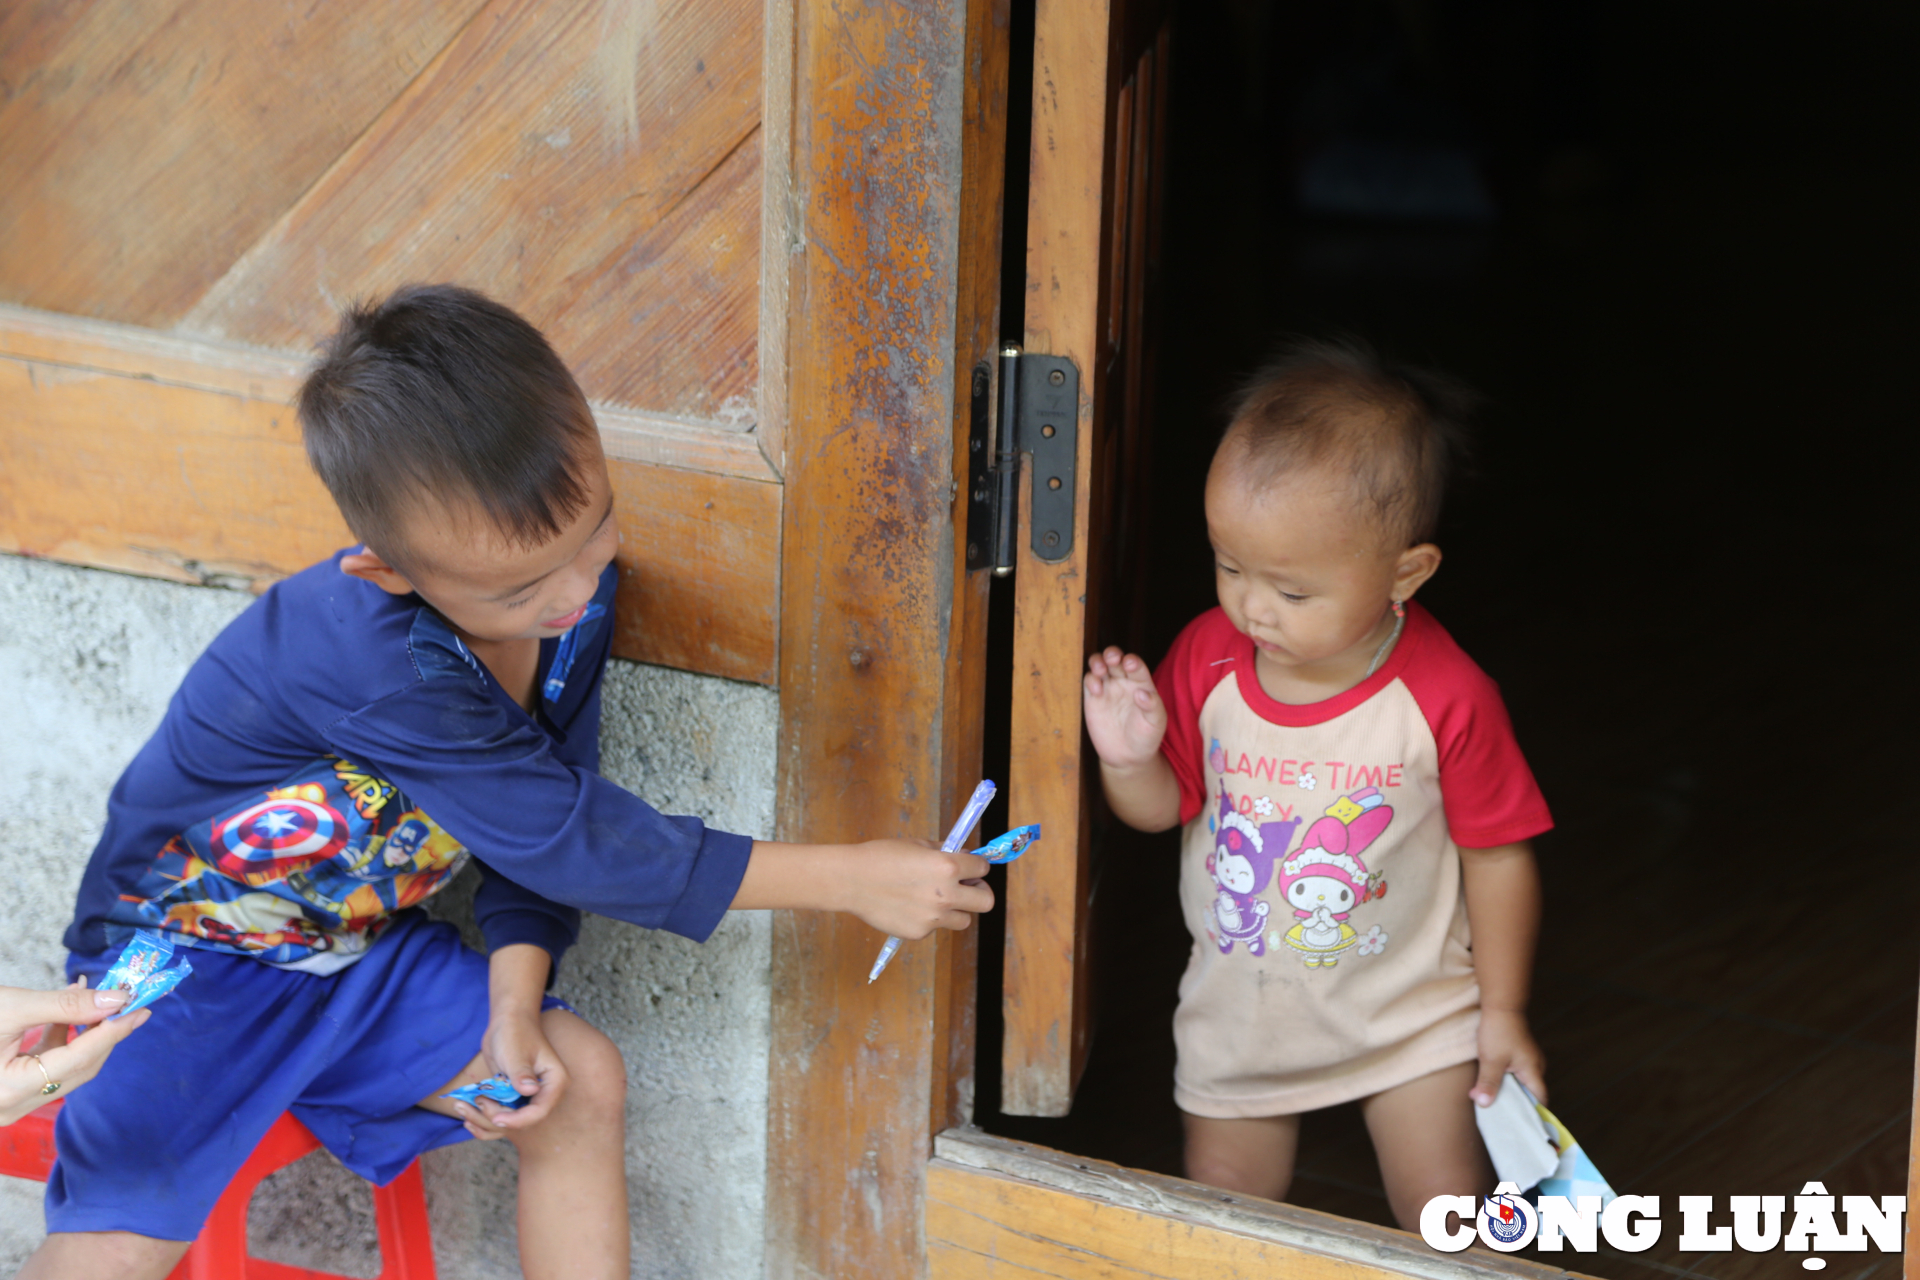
(1007, 1209)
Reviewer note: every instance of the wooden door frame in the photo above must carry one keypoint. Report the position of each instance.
(896, 167)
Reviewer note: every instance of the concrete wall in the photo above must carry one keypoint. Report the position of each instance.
(87, 663)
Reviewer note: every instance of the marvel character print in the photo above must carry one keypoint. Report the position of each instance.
(1241, 864)
(1326, 878)
(308, 873)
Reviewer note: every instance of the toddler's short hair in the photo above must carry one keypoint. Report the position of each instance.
(1396, 431)
(441, 390)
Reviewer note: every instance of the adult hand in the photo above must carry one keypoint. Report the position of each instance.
(68, 1062)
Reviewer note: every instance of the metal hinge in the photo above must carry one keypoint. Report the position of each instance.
(1040, 417)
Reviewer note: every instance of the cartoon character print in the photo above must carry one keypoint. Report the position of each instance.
(1241, 864)
(318, 864)
(1326, 878)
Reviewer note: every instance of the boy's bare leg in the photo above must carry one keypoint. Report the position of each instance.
(573, 1166)
(1428, 1144)
(87, 1255)
(1252, 1156)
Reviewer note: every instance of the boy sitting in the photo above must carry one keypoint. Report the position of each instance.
(336, 755)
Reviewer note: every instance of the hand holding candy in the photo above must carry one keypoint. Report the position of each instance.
(142, 970)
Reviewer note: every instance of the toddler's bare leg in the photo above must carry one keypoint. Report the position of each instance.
(573, 1164)
(1252, 1156)
(85, 1255)
(1428, 1144)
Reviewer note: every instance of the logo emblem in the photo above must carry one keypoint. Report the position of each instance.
(269, 841)
(1507, 1222)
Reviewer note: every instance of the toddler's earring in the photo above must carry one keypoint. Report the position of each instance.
(1399, 609)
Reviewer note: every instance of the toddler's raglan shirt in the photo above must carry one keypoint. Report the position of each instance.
(1320, 873)
(337, 753)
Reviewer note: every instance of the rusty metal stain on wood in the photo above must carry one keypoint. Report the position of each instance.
(876, 721)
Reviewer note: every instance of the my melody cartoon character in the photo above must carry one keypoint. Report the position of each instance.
(1326, 879)
(1241, 864)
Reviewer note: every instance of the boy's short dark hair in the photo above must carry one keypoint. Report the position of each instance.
(1397, 431)
(441, 390)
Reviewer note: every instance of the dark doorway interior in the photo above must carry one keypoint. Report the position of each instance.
(1674, 245)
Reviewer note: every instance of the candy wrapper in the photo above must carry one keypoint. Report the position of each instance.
(1530, 1147)
(1005, 848)
(496, 1089)
(142, 969)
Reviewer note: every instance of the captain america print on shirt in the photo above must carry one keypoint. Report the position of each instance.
(307, 874)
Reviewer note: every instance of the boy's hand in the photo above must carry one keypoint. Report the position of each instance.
(904, 887)
(517, 1048)
(514, 1045)
(909, 888)
(1506, 1044)
(1125, 717)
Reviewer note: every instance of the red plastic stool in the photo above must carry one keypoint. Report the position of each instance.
(220, 1252)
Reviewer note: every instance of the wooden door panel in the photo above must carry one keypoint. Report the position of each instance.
(231, 174)
(146, 146)
(1098, 105)
(595, 164)
(181, 459)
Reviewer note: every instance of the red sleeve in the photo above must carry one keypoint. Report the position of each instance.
(1489, 792)
(1198, 661)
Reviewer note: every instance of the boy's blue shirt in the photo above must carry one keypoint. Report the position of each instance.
(337, 753)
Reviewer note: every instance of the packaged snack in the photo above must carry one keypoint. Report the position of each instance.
(1005, 848)
(141, 968)
(496, 1089)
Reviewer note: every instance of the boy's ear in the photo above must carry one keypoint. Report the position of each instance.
(1416, 564)
(368, 566)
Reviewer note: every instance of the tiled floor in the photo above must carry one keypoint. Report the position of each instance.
(1681, 563)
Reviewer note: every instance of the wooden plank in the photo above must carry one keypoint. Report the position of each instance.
(178, 459)
(184, 360)
(146, 146)
(1098, 128)
(1000, 1210)
(593, 163)
(1045, 1017)
(976, 343)
(1912, 1249)
(777, 229)
(880, 715)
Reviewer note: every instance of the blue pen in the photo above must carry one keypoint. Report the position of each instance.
(969, 819)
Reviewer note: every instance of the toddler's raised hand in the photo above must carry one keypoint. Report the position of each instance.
(1125, 717)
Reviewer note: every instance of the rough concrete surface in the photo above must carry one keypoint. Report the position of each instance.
(88, 661)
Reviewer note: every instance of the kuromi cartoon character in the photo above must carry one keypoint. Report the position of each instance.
(1326, 878)
(1241, 864)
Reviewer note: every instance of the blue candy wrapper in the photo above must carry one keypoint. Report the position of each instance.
(496, 1089)
(142, 969)
(1005, 848)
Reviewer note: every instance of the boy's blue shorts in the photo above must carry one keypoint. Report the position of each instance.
(149, 1144)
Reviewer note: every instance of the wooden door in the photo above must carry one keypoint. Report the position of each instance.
(190, 191)
(1097, 158)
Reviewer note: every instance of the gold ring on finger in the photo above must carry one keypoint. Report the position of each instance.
(51, 1086)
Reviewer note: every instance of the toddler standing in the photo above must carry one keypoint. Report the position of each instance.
(1355, 869)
